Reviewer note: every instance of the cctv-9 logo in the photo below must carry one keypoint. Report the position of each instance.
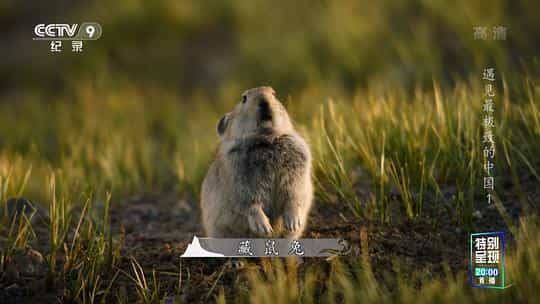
(55, 31)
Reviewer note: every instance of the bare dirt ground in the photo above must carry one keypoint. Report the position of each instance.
(156, 229)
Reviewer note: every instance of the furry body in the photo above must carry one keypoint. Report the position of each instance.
(259, 184)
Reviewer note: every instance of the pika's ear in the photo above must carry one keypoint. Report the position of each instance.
(222, 125)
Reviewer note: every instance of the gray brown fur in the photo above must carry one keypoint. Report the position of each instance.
(259, 184)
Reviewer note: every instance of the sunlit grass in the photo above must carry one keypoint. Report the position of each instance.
(403, 149)
(410, 145)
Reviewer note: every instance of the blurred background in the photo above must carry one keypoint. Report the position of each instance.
(190, 47)
(136, 110)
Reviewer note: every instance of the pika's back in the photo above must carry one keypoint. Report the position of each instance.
(262, 172)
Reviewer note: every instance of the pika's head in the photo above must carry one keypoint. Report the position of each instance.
(259, 112)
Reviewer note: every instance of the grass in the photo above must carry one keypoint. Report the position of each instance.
(413, 147)
(388, 95)
(147, 293)
(120, 143)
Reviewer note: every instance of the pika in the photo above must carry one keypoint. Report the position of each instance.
(259, 184)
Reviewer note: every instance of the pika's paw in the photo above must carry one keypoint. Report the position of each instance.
(259, 222)
(291, 222)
